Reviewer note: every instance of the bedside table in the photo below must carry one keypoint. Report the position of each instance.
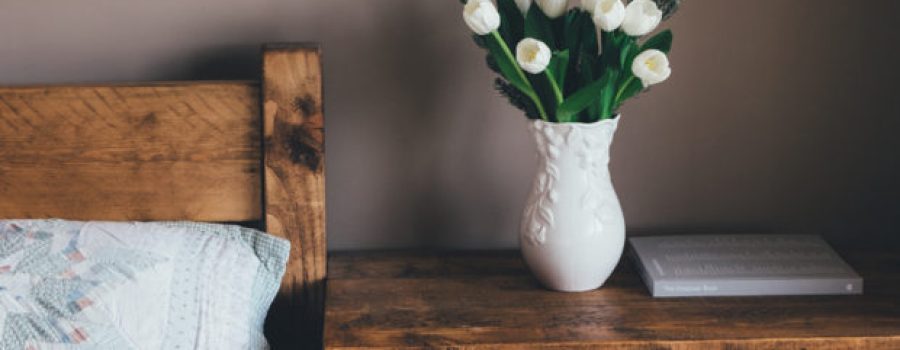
(488, 299)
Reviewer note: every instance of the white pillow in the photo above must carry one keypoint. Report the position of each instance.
(129, 285)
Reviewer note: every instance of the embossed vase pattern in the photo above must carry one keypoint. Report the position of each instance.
(572, 231)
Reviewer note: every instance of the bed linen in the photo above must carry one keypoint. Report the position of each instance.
(133, 285)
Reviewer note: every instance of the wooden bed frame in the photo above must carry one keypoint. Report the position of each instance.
(248, 152)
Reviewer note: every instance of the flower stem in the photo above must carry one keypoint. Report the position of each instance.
(556, 92)
(521, 75)
(617, 100)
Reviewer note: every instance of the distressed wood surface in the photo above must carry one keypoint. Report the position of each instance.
(164, 151)
(395, 300)
(184, 151)
(295, 187)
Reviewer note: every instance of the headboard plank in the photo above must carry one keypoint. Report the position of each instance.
(184, 151)
(293, 126)
(164, 151)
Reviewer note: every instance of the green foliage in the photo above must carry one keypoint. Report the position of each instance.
(630, 87)
(661, 41)
(607, 95)
(513, 24)
(506, 64)
(584, 82)
(575, 22)
(584, 97)
(559, 65)
(517, 98)
(627, 52)
(539, 27)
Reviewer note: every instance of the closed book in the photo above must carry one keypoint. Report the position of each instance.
(741, 265)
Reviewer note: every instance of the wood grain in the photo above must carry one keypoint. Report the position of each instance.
(184, 151)
(396, 300)
(163, 151)
(295, 186)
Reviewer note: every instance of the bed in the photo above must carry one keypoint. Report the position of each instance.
(247, 152)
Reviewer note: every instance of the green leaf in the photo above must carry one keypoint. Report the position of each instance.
(492, 64)
(632, 87)
(661, 41)
(479, 40)
(581, 99)
(508, 69)
(572, 29)
(558, 26)
(585, 78)
(512, 23)
(544, 92)
(589, 39)
(607, 95)
(626, 55)
(578, 25)
(538, 26)
(517, 98)
(613, 43)
(586, 65)
(558, 66)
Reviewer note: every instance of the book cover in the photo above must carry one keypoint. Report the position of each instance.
(742, 265)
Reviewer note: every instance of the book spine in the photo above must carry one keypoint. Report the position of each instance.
(641, 269)
(752, 287)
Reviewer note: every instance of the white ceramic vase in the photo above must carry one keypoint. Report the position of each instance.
(573, 230)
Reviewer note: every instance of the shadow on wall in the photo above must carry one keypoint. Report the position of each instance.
(413, 125)
(241, 62)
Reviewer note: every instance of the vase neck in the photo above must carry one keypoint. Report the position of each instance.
(584, 140)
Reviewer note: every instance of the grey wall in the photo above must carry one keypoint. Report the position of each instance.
(780, 115)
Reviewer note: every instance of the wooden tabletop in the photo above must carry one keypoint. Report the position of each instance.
(488, 299)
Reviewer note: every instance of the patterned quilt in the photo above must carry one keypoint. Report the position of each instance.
(129, 285)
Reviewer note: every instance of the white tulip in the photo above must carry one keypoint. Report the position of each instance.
(553, 8)
(652, 67)
(641, 17)
(481, 16)
(533, 55)
(588, 5)
(523, 5)
(609, 14)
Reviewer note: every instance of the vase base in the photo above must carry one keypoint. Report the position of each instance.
(572, 288)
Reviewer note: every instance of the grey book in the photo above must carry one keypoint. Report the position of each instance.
(741, 265)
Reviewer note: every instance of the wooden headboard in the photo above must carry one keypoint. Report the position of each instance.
(249, 152)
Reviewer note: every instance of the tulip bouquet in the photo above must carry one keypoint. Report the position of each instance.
(572, 65)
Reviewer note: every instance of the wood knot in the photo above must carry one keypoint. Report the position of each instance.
(148, 121)
(302, 147)
(305, 105)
